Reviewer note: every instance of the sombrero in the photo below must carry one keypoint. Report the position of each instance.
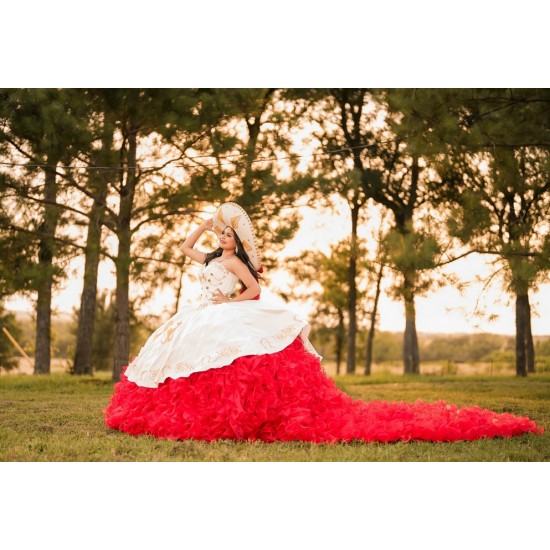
(232, 215)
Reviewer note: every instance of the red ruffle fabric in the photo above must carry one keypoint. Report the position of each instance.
(286, 396)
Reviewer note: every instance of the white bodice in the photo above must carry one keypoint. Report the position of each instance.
(215, 276)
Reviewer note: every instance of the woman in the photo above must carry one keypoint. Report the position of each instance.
(235, 367)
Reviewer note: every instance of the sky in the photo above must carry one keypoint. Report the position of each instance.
(445, 310)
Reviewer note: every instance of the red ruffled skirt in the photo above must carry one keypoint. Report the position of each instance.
(286, 396)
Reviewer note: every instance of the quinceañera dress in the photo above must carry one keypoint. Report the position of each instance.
(247, 371)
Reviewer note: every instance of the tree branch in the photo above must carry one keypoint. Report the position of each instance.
(179, 264)
(89, 194)
(159, 216)
(147, 171)
(40, 235)
(46, 201)
(19, 148)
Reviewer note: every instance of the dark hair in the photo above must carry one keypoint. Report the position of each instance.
(240, 253)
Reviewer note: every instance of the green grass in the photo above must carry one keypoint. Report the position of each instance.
(60, 418)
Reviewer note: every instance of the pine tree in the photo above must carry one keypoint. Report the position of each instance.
(43, 128)
(147, 196)
(371, 159)
(331, 272)
(96, 182)
(492, 150)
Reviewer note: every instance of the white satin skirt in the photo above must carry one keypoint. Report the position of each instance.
(207, 336)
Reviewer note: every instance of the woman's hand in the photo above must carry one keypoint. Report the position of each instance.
(219, 297)
(208, 224)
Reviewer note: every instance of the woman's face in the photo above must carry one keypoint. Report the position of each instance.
(227, 239)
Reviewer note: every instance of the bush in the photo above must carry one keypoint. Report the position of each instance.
(8, 353)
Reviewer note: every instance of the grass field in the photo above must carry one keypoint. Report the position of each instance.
(60, 418)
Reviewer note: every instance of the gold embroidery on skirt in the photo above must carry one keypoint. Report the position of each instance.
(230, 350)
(222, 354)
(286, 332)
(266, 343)
(159, 333)
(169, 333)
(163, 329)
(184, 367)
(283, 334)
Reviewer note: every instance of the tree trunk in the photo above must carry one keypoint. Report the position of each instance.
(529, 346)
(122, 305)
(411, 354)
(122, 309)
(404, 223)
(339, 340)
(521, 335)
(86, 317)
(525, 350)
(372, 329)
(178, 290)
(42, 358)
(352, 292)
(254, 126)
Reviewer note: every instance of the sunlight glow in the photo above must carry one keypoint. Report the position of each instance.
(446, 310)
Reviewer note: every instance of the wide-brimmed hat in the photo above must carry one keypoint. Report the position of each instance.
(232, 215)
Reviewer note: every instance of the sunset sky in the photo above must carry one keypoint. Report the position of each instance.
(442, 311)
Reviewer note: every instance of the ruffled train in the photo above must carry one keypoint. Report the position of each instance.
(286, 396)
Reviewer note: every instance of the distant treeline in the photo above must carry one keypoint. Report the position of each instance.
(64, 328)
(388, 346)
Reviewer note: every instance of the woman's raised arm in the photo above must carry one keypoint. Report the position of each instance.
(191, 239)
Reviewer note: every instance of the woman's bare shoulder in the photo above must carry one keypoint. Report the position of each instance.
(234, 262)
